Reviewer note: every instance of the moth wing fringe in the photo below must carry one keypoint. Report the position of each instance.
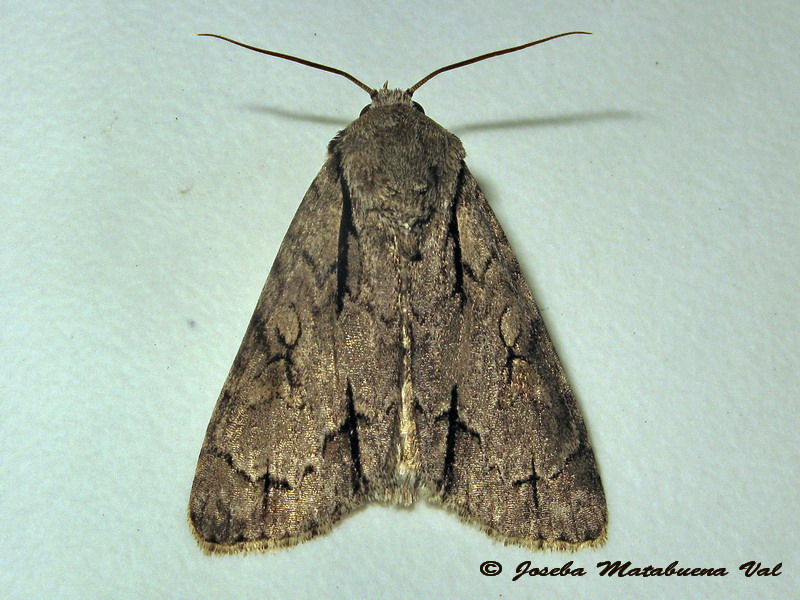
(525, 542)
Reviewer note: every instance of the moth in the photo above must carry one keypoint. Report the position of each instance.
(395, 353)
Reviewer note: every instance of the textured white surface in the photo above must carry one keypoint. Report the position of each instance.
(647, 177)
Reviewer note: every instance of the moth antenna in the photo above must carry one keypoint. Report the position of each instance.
(464, 63)
(302, 61)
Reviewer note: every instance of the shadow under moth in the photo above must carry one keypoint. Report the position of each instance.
(395, 352)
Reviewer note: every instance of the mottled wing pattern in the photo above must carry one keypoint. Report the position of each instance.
(281, 460)
(502, 440)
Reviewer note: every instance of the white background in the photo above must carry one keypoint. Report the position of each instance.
(647, 177)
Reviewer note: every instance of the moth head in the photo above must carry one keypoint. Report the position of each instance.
(386, 97)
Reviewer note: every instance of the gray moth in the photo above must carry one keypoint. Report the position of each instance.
(395, 353)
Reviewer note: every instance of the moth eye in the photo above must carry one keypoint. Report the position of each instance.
(417, 106)
(365, 109)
